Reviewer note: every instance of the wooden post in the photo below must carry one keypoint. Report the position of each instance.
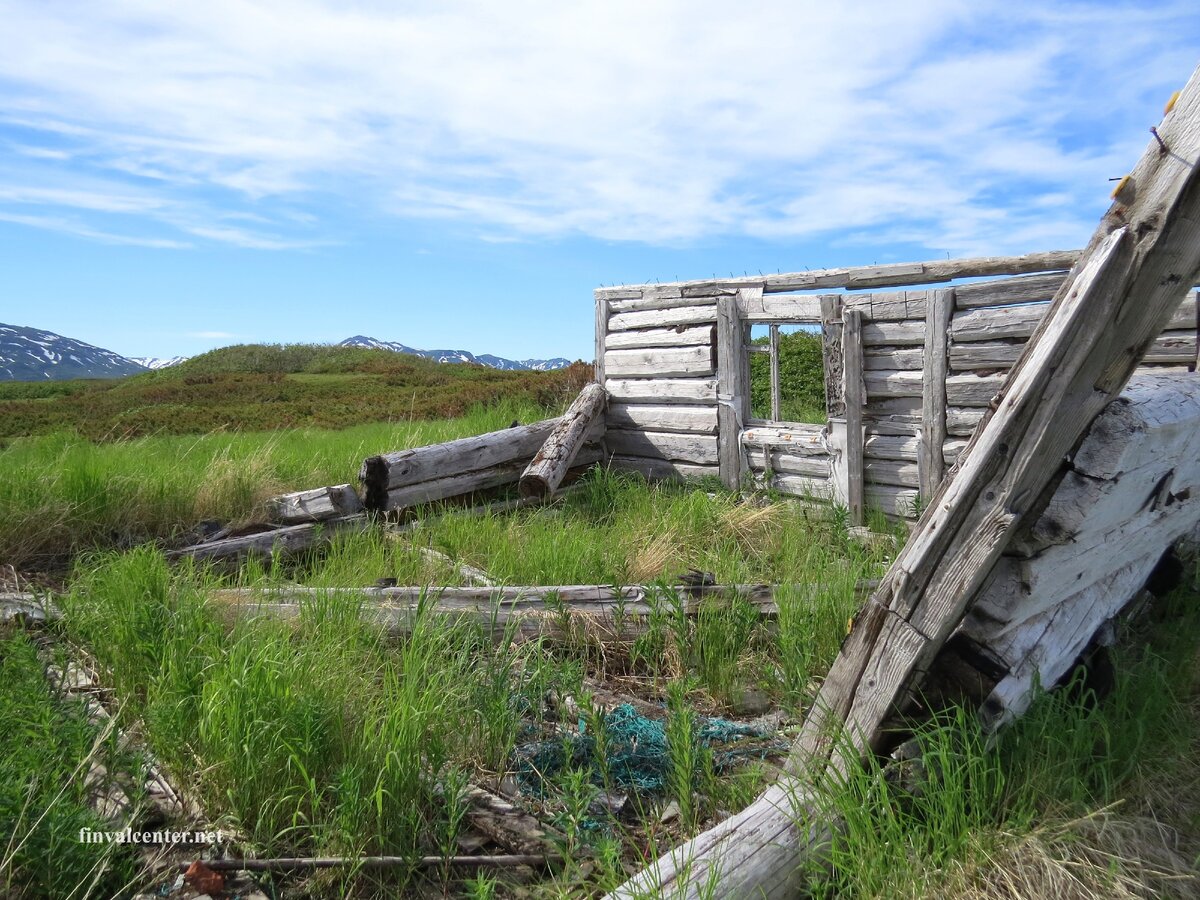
(831, 338)
(776, 391)
(733, 388)
(931, 463)
(852, 394)
(601, 335)
(549, 465)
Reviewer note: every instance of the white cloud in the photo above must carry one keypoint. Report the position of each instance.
(965, 127)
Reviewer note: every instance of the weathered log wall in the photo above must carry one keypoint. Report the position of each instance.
(932, 360)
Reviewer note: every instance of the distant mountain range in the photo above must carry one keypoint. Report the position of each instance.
(29, 354)
(460, 356)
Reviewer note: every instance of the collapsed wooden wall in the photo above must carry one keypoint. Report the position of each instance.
(924, 364)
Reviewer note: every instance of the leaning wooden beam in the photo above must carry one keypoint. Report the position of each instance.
(315, 505)
(549, 465)
(279, 541)
(1120, 294)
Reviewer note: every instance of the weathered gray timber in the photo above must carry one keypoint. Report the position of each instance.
(1022, 289)
(388, 471)
(663, 390)
(682, 419)
(854, 394)
(657, 469)
(315, 505)
(681, 336)
(665, 362)
(931, 272)
(602, 312)
(286, 541)
(933, 390)
(733, 385)
(689, 448)
(549, 465)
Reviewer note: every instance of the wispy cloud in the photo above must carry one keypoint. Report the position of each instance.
(966, 127)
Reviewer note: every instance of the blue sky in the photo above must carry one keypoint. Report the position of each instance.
(179, 176)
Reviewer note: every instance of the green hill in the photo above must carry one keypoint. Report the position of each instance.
(254, 387)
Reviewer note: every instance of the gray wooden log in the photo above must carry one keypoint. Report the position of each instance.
(1118, 296)
(472, 482)
(733, 387)
(798, 440)
(680, 336)
(752, 306)
(657, 469)
(892, 471)
(776, 388)
(894, 333)
(315, 505)
(670, 298)
(602, 313)
(973, 390)
(663, 318)
(885, 384)
(700, 449)
(894, 306)
(1021, 289)
(994, 324)
(858, 277)
(390, 471)
(662, 362)
(663, 390)
(934, 390)
(682, 419)
(892, 446)
(286, 541)
(831, 343)
(777, 459)
(549, 465)
(893, 358)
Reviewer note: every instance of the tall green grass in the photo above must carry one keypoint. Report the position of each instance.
(61, 494)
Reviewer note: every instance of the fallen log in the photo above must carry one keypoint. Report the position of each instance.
(1121, 293)
(286, 863)
(288, 540)
(315, 505)
(549, 466)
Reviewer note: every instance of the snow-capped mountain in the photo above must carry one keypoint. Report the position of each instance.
(30, 354)
(158, 362)
(459, 356)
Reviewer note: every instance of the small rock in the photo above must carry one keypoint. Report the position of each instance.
(750, 701)
(670, 813)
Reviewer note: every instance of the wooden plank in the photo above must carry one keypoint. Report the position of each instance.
(663, 390)
(934, 395)
(691, 448)
(813, 488)
(787, 463)
(680, 336)
(852, 373)
(664, 318)
(973, 390)
(683, 419)
(894, 333)
(894, 306)
(893, 384)
(757, 308)
(831, 343)
(1172, 348)
(666, 362)
(286, 541)
(994, 324)
(776, 390)
(881, 407)
(803, 440)
(657, 469)
(1021, 289)
(733, 386)
(666, 299)
(314, 505)
(899, 502)
(862, 277)
(898, 358)
(549, 465)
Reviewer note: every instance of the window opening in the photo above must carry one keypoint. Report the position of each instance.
(787, 373)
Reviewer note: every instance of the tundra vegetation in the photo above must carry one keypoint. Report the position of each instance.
(326, 735)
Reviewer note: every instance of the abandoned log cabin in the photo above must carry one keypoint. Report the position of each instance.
(913, 356)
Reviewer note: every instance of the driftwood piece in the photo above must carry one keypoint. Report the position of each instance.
(549, 465)
(315, 505)
(1118, 297)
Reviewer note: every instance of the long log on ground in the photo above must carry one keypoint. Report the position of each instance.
(1117, 298)
(288, 863)
(289, 540)
(315, 505)
(549, 465)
